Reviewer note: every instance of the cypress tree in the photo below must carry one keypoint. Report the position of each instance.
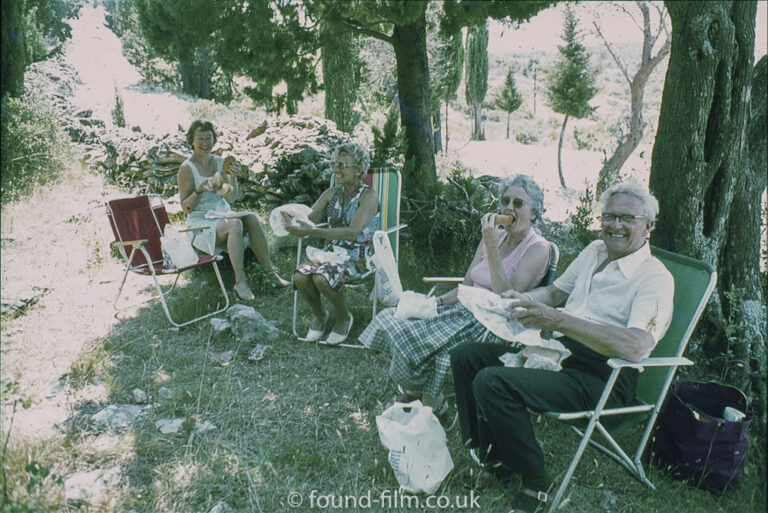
(14, 55)
(342, 71)
(476, 59)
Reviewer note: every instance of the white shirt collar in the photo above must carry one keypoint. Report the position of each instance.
(628, 264)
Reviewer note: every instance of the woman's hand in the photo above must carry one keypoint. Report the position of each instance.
(488, 224)
(230, 168)
(299, 228)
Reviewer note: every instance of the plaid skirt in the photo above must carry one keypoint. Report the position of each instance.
(420, 347)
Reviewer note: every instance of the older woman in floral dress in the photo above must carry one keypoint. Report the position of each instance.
(351, 210)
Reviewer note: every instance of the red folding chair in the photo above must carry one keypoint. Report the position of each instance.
(138, 224)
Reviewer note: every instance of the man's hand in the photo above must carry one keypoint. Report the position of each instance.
(533, 314)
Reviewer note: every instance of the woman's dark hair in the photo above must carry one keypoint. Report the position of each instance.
(199, 124)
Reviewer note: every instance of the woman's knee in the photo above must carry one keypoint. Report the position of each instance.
(321, 283)
(301, 280)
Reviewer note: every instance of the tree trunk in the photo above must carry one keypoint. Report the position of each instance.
(740, 270)
(699, 156)
(610, 172)
(446, 127)
(508, 125)
(560, 153)
(410, 45)
(438, 134)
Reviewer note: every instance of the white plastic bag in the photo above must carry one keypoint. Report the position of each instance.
(416, 443)
(388, 287)
(177, 249)
(413, 305)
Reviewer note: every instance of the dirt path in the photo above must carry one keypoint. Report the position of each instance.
(57, 242)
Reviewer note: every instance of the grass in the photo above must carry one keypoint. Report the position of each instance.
(301, 420)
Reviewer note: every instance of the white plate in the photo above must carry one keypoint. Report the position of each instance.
(278, 223)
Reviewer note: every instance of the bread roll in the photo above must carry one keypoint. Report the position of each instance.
(545, 352)
(225, 190)
(215, 181)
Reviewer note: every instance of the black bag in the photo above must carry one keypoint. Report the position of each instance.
(695, 442)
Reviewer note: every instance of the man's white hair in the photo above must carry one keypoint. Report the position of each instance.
(650, 205)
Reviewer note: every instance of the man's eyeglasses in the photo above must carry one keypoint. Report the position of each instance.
(608, 218)
(341, 166)
(516, 202)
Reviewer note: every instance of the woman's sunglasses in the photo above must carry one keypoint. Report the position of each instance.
(516, 202)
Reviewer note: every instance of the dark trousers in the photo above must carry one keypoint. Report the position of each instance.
(493, 400)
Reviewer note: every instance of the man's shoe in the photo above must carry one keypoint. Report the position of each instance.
(446, 415)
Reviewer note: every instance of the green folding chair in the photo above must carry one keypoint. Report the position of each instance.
(694, 282)
(387, 183)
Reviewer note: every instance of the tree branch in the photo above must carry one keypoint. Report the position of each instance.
(613, 54)
(359, 27)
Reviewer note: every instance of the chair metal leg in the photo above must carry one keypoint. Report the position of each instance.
(593, 421)
(162, 295)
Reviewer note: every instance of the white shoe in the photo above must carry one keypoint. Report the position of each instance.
(335, 339)
(315, 335)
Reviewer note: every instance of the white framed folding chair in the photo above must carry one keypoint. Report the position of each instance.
(694, 282)
(387, 183)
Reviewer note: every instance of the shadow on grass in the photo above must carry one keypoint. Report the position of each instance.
(299, 425)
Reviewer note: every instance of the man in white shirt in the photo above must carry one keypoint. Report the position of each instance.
(618, 303)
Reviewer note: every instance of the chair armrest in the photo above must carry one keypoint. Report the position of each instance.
(139, 242)
(442, 279)
(618, 363)
(395, 228)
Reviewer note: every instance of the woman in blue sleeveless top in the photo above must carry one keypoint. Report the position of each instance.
(208, 206)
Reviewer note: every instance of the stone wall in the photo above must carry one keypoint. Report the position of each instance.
(284, 160)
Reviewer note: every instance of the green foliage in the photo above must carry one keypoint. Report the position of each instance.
(118, 116)
(446, 229)
(388, 142)
(123, 20)
(11, 392)
(12, 51)
(476, 63)
(342, 75)
(584, 217)
(508, 99)
(445, 67)
(182, 31)
(571, 81)
(34, 148)
(525, 137)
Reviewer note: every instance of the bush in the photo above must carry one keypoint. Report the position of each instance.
(446, 229)
(118, 116)
(34, 150)
(526, 138)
